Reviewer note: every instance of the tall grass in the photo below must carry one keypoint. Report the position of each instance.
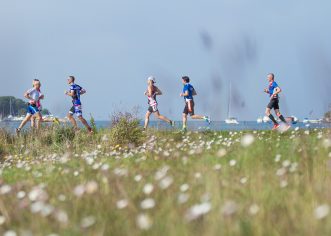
(168, 183)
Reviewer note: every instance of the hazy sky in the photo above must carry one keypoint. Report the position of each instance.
(113, 46)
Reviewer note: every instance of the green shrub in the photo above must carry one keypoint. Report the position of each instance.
(126, 130)
(64, 134)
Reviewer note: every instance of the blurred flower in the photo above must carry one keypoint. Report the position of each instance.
(197, 175)
(254, 209)
(91, 187)
(233, 162)
(87, 222)
(4, 189)
(221, 152)
(322, 211)
(217, 167)
(10, 233)
(122, 204)
(197, 211)
(61, 216)
(229, 208)
(327, 143)
(247, 140)
(283, 183)
(137, 178)
(184, 187)
(148, 203)
(144, 222)
(182, 198)
(286, 163)
(281, 172)
(2, 220)
(20, 194)
(277, 158)
(79, 190)
(243, 180)
(166, 182)
(148, 189)
(161, 172)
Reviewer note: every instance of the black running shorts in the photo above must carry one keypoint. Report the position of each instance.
(274, 104)
(186, 108)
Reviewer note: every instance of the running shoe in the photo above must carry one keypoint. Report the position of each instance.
(184, 129)
(275, 127)
(287, 127)
(172, 123)
(207, 119)
(56, 121)
(18, 131)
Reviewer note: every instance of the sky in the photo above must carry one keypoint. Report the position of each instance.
(111, 47)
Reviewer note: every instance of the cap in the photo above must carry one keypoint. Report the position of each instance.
(151, 78)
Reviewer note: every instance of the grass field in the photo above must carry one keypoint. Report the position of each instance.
(166, 183)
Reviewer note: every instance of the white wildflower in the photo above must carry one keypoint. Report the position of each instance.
(121, 204)
(233, 162)
(148, 189)
(2, 220)
(166, 182)
(229, 208)
(254, 209)
(182, 198)
(221, 152)
(79, 190)
(87, 222)
(322, 211)
(148, 203)
(184, 187)
(91, 187)
(197, 211)
(247, 140)
(144, 222)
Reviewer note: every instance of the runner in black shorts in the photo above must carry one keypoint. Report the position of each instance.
(273, 90)
(188, 93)
(151, 93)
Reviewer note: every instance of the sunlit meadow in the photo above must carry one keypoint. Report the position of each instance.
(166, 183)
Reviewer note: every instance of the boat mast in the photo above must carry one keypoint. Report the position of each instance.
(229, 100)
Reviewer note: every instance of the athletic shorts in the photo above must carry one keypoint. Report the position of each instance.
(32, 109)
(274, 104)
(153, 108)
(186, 108)
(76, 109)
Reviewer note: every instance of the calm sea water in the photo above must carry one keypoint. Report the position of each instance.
(194, 125)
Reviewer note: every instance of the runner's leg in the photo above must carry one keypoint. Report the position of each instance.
(38, 119)
(148, 114)
(271, 117)
(26, 119)
(72, 120)
(184, 121)
(281, 117)
(84, 122)
(161, 117)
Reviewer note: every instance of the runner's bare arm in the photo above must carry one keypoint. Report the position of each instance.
(83, 91)
(158, 91)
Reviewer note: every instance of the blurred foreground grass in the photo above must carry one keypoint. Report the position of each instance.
(166, 183)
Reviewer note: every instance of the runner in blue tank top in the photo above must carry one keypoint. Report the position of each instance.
(75, 92)
(188, 93)
(273, 90)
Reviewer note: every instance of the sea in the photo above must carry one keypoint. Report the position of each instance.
(193, 125)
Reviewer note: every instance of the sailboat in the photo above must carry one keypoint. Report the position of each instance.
(10, 117)
(230, 120)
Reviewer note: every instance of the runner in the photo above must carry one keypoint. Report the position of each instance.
(75, 92)
(273, 90)
(38, 104)
(34, 95)
(151, 93)
(188, 93)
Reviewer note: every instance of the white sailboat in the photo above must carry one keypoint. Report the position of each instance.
(230, 120)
